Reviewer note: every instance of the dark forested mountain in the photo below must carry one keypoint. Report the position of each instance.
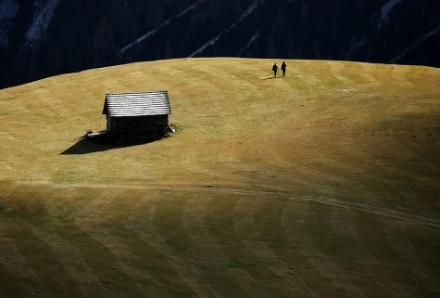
(48, 37)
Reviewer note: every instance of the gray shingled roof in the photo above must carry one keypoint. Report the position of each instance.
(137, 104)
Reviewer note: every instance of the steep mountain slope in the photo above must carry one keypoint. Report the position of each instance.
(49, 37)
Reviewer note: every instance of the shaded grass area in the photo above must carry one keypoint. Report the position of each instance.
(205, 243)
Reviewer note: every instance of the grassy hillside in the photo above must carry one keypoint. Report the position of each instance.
(323, 183)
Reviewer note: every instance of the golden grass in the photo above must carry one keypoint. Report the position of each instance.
(321, 183)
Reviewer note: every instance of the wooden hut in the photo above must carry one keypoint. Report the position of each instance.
(141, 116)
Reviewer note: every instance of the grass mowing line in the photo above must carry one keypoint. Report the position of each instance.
(245, 227)
(367, 72)
(12, 286)
(95, 208)
(304, 261)
(383, 212)
(10, 256)
(320, 199)
(205, 247)
(311, 83)
(372, 234)
(399, 74)
(238, 85)
(73, 262)
(126, 260)
(353, 71)
(244, 217)
(317, 237)
(11, 275)
(187, 278)
(400, 241)
(426, 244)
(363, 264)
(337, 72)
(261, 241)
(330, 78)
(130, 227)
(100, 261)
(240, 260)
(280, 248)
(38, 255)
(299, 268)
(338, 221)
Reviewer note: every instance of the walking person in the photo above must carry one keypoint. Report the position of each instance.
(275, 68)
(283, 68)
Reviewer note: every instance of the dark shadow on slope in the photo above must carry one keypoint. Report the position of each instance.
(85, 146)
(102, 143)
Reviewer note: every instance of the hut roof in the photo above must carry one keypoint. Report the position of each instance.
(137, 104)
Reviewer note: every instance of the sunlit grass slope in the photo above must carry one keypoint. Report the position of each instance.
(323, 183)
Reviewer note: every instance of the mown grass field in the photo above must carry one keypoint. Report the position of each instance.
(323, 183)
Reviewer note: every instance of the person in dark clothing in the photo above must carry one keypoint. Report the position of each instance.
(275, 69)
(283, 68)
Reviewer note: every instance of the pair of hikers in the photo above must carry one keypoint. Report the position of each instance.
(275, 69)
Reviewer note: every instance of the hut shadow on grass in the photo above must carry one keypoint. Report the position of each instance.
(86, 145)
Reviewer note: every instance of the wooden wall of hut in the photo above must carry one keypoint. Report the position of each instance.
(137, 129)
